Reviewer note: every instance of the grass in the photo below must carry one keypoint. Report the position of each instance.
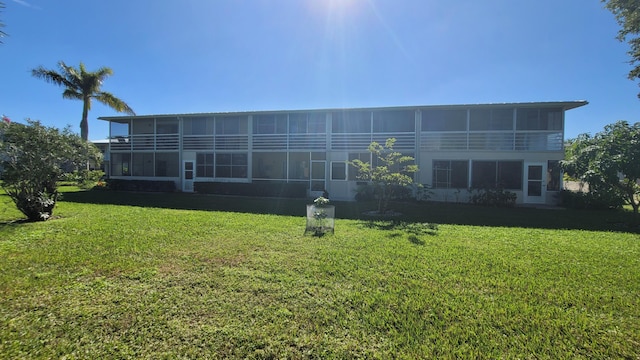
(121, 275)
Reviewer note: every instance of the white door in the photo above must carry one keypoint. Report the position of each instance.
(535, 185)
(188, 172)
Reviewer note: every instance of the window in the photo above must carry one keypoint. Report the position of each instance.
(270, 124)
(351, 122)
(231, 125)
(118, 129)
(313, 123)
(120, 164)
(394, 121)
(444, 120)
(167, 126)
(270, 165)
(339, 170)
(299, 166)
(497, 174)
(450, 174)
(142, 164)
(353, 171)
(232, 165)
(491, 119)
(204, 165)
(167, 164)
(554, 175)
(539, 119)
(142, 126)
(198, 126)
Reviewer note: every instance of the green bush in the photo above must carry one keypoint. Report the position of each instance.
(496, 197)
(600, 200)
(141, 185)
(261, 189)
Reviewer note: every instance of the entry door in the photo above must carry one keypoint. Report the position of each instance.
(318, 176)
(535, 187)
(188, 172)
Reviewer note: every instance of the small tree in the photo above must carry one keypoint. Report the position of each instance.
(32, 158)
(609, 162)
(393, 172)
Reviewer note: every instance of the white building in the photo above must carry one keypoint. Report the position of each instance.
(515, 146)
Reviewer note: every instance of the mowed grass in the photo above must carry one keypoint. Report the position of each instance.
(185, 278)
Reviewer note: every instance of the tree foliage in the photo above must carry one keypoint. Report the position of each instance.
(32, 159)
(627, 13)
(2, 33)
(392, 172)
(609, 162)
(84, 85)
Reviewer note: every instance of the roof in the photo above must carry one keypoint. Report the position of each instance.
(565, 105)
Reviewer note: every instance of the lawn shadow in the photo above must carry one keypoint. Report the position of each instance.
(412, 212)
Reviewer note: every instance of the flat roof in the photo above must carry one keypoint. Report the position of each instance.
(565, 105)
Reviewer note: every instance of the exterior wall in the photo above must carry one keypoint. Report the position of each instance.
(314, 146)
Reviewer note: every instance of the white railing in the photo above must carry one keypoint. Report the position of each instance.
(359, 142)
(307, 141)
(270, 142)
(492, 140)
(231, 142)
(197, 142)
(404, 141)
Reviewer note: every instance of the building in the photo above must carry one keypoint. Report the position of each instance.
(516, 146)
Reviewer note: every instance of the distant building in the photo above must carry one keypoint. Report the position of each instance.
(516, 146)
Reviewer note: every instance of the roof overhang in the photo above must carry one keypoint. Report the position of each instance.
(564, 105)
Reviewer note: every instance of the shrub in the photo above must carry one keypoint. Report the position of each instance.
(589, 200)
(141, 185)
(261, 189)
(496, 197)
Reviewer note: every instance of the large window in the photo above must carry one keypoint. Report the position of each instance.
(231, 125)
(338, 170)
(120, 164)
(539, 119)
(497, 174)
(269, 165)
(394, 121)
(311, 123)
(444, 120)
(554, 175)
(351, 122)
(299, 166)
(142, 164)
(198, 126)
(167, 164)
(231, 165)
(143, 126)
(270, 124)
(491, 119)
(204, 165)
(450, 174)
(118, 129)
(167, 126)
(353, 171)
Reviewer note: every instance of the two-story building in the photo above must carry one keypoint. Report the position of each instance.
(516, 146)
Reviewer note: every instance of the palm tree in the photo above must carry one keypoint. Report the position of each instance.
(82, 85)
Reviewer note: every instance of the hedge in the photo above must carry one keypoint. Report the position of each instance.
(261, 189)
(141, 185)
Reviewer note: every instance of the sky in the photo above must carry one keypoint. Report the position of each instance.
(190, 56)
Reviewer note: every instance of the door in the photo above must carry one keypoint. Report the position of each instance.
(318, 176)
(535, 187)
(187, 176)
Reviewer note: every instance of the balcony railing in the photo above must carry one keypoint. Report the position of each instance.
(145, 142)
(492, 140)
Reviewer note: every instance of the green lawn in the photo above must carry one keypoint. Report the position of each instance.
(122, 275)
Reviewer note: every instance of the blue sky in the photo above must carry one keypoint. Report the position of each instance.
(234, 55)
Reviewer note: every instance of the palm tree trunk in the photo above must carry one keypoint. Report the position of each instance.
(84, 123)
